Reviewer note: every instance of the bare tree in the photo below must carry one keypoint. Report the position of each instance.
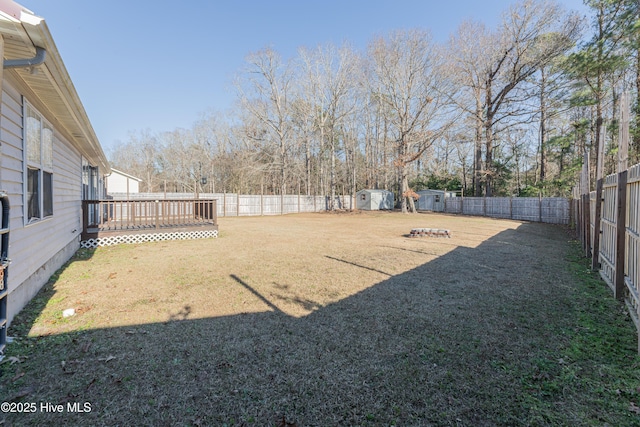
(533, 34)
(140, 156)
(493, 66)
(266, 91)
(469, 64)
(407, 80)
(332, 78)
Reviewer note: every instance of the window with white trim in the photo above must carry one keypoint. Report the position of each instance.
(39, 165)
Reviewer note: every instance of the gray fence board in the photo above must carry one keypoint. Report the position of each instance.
(232, 204)
(553, 210)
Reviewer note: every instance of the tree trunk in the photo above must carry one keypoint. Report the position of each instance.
(543, 127)
(332, 173)
(307, 166)
(477, 165)
(489, 156)
(404, 191)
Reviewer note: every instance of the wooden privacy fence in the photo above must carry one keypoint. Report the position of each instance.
(553, 210)
(608, 221)
(610, 234)
(232, 204)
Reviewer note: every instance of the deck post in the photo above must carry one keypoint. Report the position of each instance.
(85, 218)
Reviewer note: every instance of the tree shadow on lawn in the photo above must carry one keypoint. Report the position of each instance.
(443, 344)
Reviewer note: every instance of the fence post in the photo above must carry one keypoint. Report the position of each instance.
(510, 207)
(623, 157)
(597, 226)
(539, 206)
(586, 207)
(237, 204)
(586, 202)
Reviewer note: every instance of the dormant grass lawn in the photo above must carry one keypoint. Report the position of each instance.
(329, 320)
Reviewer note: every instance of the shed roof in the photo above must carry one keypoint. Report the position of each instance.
(49, 83)
(374, 191)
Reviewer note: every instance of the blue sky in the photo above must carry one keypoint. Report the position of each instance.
(159, 65)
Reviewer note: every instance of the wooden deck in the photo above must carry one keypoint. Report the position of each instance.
(104, 218)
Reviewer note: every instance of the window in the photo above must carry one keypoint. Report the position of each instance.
(39, 165)
(90, 181)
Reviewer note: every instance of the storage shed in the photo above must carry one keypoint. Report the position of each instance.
(373, 200)
(433, 200)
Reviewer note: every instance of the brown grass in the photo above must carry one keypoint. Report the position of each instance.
(312, 319)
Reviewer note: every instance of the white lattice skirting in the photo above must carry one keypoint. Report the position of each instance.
(142, 238)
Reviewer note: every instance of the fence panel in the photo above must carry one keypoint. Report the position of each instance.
(555, 210)
(608, 227)
(498, 207)
(632, 240)
(552, 210)
(473, 206)
(249, 205)
(453, 204)
(526, 208)
(308, 203)
(290, 204)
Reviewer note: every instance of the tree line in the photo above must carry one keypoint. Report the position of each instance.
(497, 111)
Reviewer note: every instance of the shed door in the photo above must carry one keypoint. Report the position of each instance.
(428, 202)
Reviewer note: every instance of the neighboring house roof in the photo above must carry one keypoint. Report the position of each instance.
(125, 175)
(50, 83)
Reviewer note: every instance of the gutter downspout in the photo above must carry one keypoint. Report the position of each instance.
(41, 55)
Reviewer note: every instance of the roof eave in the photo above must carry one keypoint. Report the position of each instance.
(78, 127)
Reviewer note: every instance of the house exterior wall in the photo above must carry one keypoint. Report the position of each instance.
(117, 183)
(36, 250)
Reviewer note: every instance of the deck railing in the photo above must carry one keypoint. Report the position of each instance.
(103, 216)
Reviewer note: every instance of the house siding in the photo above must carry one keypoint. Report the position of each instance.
(37, 250)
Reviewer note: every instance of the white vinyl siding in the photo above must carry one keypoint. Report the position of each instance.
(32, 246)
